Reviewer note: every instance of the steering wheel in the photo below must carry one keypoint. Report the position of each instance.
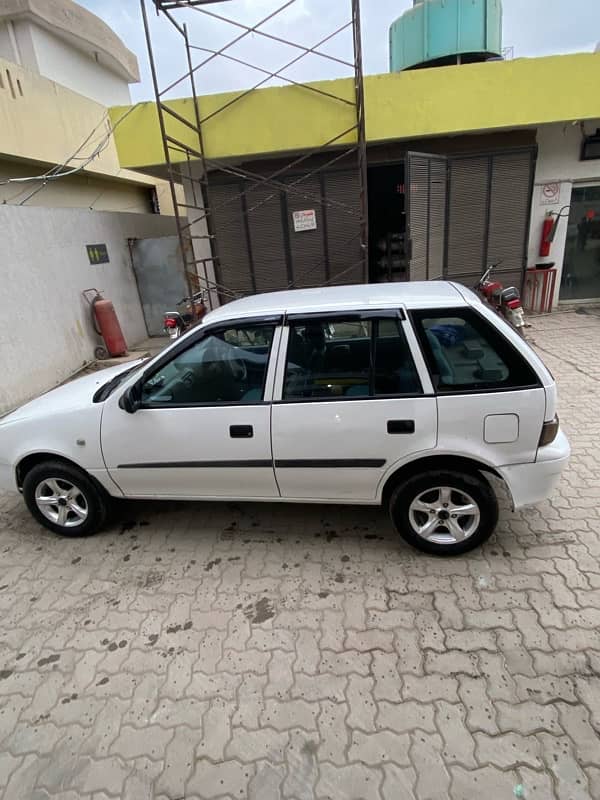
(238, 369)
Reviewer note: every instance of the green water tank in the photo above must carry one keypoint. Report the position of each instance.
(440, 32)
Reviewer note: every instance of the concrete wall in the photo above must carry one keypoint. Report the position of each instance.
(44, 122)
(83, 190)
(559, 148)
(63, 63)
(46, 331)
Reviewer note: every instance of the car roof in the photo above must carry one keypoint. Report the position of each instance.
(411, 295)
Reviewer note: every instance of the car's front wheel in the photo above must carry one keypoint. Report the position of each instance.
(445, 513)
(64, 499)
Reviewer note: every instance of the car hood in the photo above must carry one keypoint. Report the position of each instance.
(70, 396)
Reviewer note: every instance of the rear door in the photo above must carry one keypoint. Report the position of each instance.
(426, 215)
(350, 402)
(491, 404)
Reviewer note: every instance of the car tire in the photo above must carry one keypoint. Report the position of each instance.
(80, 507)
(424, 511)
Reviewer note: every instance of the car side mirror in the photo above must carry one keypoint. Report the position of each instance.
(131, 401)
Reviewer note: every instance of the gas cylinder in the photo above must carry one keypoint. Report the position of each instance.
(109, 327)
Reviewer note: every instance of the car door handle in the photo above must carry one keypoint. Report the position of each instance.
(401, 426)
(241, 431)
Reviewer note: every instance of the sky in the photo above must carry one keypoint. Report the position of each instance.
(531, 27)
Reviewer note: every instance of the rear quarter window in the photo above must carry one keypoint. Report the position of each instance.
(466, 353)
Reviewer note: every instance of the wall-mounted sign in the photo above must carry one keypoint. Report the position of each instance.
(550, 194)
(97, 253)
(305, 220)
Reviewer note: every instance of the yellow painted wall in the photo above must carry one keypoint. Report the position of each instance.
(45, 122)
(428, 102)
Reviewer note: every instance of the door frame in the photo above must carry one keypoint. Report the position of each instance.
(575, 184)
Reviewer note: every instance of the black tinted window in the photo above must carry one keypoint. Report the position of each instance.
(328, 359)
(465, 352)
(227, 366)
(348, 359)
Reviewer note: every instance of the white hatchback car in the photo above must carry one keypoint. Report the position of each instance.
(402, 394)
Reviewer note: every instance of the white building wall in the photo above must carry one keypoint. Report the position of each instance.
(46, 331)
(63, 63)
(559, 148)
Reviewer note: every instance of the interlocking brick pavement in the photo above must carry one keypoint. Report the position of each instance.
(303, 652)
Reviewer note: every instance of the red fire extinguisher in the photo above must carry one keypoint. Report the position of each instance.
(548, 229)
(106, 324)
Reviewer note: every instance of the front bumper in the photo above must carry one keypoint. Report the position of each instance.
(532, 483)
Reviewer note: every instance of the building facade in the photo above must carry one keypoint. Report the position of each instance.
(458, 160)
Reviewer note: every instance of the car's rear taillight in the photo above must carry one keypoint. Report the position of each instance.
(514, 303)
(549, 432)
(170, 323)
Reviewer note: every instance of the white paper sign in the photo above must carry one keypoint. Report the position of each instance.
(550, 194)
(305, 220)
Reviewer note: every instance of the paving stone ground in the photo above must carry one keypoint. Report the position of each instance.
(262, 651)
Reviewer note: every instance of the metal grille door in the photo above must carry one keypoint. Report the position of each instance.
(426, 193)
(261, 249)
(489, 213)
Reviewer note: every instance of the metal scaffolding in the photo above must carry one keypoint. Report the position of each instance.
(189, 165)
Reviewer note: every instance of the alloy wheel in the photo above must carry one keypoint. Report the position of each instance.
(444, 515)
(61, 502)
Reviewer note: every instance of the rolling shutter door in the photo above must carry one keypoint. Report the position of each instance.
(510, 206)
(233, 270)
(467, 219)
(265, 253)
(267, 238)
(307, 248)
(426, 214)
(438, 198)
(342, 190)
(489, 212)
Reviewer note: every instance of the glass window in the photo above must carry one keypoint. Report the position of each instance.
(465, 352)
(343, 359)
(395, 372)
(227, 366)
(329, 359)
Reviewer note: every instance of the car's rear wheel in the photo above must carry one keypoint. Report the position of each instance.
(64, 499)
(444, 513)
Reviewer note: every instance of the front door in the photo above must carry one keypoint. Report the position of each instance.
(350, 404)
(204, 428)
(581, 269)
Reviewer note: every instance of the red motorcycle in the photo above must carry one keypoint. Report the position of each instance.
(190, 311)
(506, 302)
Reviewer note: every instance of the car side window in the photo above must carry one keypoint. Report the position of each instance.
(328, 359)
(225, 366)
(345, 359)
(465, 352)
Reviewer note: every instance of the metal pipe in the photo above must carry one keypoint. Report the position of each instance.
(163, 131)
